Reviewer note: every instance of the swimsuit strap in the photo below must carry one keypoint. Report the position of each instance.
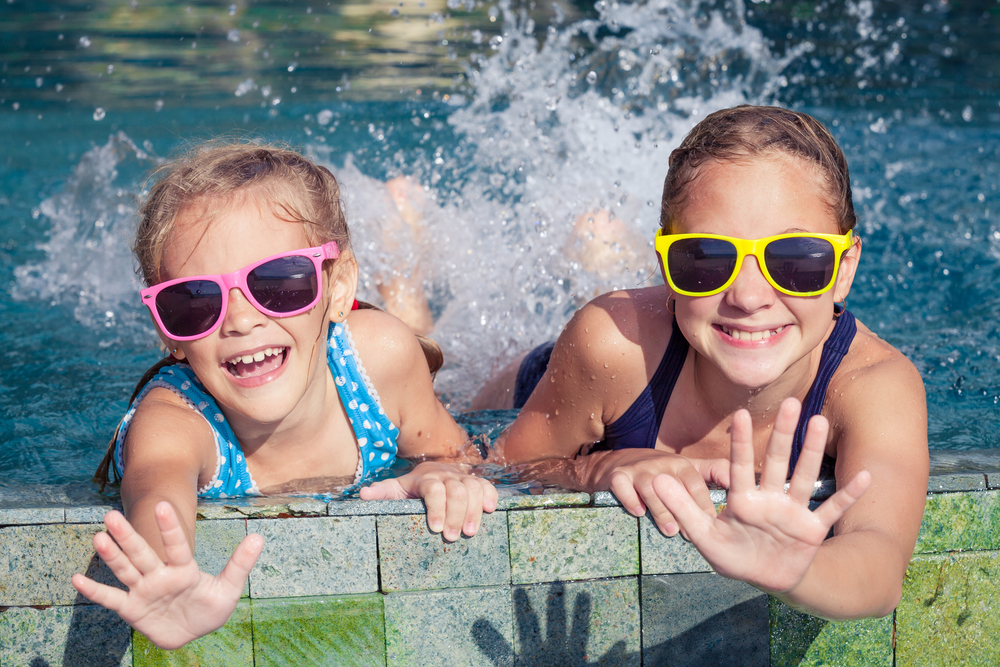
(647, 410)
(376, 435)
(834, 351)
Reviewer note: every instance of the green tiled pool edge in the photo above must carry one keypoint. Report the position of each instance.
(569, 577)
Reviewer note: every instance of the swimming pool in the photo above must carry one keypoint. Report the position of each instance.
(517, 119)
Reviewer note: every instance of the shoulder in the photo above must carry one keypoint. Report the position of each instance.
(165, 430)
(873, 367)
(623, 327)
(384, 342)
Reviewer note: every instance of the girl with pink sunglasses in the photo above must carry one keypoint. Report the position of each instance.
(276, 383)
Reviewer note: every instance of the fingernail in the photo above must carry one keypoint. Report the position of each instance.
(671, 529)
(470, 528)
(638, 510)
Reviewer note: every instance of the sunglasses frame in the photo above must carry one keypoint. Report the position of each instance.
(841, 244)
(238, 279)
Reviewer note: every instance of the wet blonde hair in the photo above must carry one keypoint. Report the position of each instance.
(226, 174)
(750, 132)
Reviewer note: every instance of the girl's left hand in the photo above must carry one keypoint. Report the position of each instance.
(455, 500)
(765, 536)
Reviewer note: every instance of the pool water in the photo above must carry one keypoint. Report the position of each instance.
(517, 118)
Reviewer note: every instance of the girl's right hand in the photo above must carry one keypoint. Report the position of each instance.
(629, 475)
(171, 603)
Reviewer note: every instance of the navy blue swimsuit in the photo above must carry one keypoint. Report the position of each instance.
(640, 424)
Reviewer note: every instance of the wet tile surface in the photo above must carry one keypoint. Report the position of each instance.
(526, 501)
(315, 556)
(578, 543)
(467, 626)
(963, 482)
(802, 640)
(667, 555)
(375, 507)
(36, 563)
(229, 646)
(91, 514)
(948, 612)
(214, 543)
(413, 558)
(960, 521)
(577, 623)
(81, 635)
(703, 619)
(260, 508)
(346, 631)
(25, 516)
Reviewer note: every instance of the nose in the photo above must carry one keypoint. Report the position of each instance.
(241, 315)
(750, 291)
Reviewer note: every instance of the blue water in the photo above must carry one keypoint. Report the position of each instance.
(514, 138)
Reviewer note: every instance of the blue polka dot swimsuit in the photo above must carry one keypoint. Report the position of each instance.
(376, 435)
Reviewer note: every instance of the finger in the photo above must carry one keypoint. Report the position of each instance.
(774, 470)
(713, 471)
(838, 504)
(388, 489)
(175, 543)
(661, 516)
(435, 498)
(116, 561)
(455, 509)
(131, 543)
(106, 596)
(623, 487)
(474, 510)
(810, 460)
(741, 467)
(678, 501)
(490, 497)
(236, 571)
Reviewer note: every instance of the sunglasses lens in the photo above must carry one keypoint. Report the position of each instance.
(800, 264)
(701, 265)
(284, 285)
(189, 308)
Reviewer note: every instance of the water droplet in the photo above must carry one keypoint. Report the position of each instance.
(591, 77)
(99, 113)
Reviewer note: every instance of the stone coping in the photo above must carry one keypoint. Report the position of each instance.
(568, 576)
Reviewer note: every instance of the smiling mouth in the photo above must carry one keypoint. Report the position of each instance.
(739, 334)
(259, 363)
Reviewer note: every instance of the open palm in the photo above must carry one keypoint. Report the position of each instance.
(171, 603)
(765, 536)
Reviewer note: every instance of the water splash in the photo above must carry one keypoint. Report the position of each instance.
(88, 264)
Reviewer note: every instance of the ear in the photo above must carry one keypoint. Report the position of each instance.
(343, 286)
(848, 269)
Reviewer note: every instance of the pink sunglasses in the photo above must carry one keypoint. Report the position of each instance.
(281, 285)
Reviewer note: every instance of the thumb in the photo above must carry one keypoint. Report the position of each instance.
(389, 489)
(714, 471)
(235, 574)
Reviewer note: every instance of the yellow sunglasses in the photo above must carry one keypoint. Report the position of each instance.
(799, 264)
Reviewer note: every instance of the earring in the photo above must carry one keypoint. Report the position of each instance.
(340, 313)
(672, 312)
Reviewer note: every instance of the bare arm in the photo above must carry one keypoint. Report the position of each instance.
(769, 538)
(169, 599)
(455, 499)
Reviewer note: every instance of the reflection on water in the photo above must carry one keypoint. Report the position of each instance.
(520, 125)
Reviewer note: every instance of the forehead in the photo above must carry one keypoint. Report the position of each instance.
(755, 198)
(214, 236)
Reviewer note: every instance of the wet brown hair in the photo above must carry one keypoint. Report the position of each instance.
(747, 133)
(224, 174)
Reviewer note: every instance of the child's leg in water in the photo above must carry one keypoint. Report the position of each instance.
(403, 295)
(606, 247)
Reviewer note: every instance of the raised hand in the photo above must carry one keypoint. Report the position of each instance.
(171, 603)
(455, 500)
(765, 536)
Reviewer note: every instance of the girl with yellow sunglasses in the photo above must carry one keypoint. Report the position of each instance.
(744, 364)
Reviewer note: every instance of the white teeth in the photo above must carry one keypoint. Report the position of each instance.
(739, 334)
(259, 356)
